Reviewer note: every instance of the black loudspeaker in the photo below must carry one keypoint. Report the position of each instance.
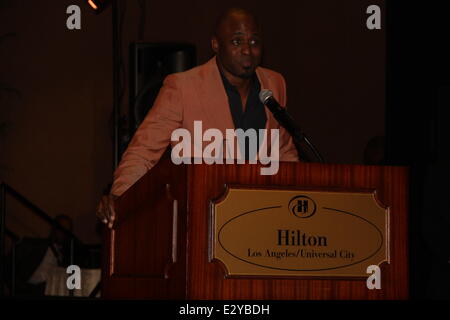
(150, 63)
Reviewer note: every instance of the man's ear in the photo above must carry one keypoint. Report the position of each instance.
(215, 44)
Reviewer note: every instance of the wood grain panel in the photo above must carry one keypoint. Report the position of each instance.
(206, 280)
(139, 260)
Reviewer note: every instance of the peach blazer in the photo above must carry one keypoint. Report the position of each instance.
(197, 94)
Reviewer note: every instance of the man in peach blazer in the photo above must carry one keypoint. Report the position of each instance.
(201, 94)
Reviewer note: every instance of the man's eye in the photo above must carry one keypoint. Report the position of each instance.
(254, 42)
(236, 42)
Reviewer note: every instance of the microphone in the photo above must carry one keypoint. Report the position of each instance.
(266, 97)
(285, 120)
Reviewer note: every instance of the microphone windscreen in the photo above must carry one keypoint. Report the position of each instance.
(264, 95)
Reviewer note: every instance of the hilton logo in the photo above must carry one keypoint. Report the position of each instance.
(302, 206)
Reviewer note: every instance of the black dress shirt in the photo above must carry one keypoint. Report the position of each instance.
(254, 116)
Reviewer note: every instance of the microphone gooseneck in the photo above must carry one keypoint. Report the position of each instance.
(285, 120)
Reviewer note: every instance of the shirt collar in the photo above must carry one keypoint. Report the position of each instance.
(228, 86)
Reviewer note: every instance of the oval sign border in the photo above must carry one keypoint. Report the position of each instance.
(285, 269)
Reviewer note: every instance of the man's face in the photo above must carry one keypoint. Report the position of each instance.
(238, 45)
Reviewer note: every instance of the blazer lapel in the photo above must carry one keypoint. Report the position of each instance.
(213, 95)
(271, 122)
(214, 99)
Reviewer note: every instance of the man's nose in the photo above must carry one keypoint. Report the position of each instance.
(245, 48)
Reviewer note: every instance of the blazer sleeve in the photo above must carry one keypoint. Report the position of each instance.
(288, 152)
(152, 137)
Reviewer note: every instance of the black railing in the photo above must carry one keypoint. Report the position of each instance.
(15, 239)
(2, 237)
(4, 190)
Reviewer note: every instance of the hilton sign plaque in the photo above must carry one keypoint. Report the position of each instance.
(298, 233)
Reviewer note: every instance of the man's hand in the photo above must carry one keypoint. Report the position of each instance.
(105, 210)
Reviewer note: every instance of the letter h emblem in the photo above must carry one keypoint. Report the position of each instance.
(302, 206)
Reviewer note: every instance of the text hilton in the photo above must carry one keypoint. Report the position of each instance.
(297, 238)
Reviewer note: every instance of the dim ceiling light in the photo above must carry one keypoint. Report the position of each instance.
(98, 5)
(92, 4)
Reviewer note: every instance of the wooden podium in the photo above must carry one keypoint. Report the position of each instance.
(159, 248)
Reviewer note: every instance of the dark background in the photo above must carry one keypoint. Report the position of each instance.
(56, 149)
(345, 84)
(418, 92)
